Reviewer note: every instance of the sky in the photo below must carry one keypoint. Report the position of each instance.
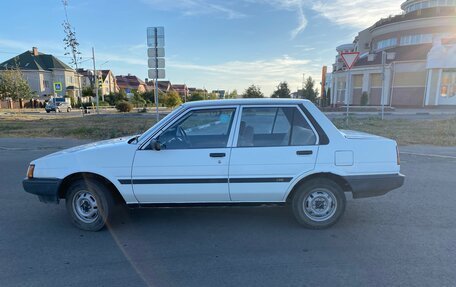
(208, 43)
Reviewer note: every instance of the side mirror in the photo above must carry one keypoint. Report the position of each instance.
(155, 145)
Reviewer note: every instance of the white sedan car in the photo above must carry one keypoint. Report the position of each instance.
(230, 152)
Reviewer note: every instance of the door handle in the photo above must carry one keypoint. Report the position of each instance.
(304, 152)
(221, 154)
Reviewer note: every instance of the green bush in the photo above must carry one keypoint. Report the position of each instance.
(195, 97)
(115, 98)
(137, 100)
(124, 107)
(172, 99)
(364, 99)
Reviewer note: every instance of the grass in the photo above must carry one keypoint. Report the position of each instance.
(440, 132)
(88, 127)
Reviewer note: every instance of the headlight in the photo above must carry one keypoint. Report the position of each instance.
(30, 171)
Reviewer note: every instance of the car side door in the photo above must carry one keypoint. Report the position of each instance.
(273, 146)
(192, 163)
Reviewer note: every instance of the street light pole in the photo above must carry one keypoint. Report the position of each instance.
(95, 77)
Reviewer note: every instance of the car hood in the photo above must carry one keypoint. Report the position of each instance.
(91, 146)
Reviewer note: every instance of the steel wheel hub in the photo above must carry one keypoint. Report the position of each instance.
(85, 206)
(320, 205)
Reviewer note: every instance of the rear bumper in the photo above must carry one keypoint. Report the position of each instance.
(47, 189)
(374, 185)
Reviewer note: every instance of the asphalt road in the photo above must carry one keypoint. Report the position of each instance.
(405, 238)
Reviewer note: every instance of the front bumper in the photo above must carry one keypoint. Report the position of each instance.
(374, 185)
(47, 189)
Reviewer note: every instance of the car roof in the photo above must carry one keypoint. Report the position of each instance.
(260, 101)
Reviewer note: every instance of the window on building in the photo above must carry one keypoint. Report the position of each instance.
(376, 80)
(448, 84)
(416, 39)
(340, 96)
(429, 4)
(46, 84)
(383, 44)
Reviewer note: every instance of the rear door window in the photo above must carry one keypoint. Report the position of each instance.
(274, 126)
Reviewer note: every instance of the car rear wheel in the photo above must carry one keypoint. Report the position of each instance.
(318, 203)
(68, 110)
(89, 204)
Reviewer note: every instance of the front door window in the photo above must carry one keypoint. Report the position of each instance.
(208, 128)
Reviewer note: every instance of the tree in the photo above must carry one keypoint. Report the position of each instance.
(137, 100)
(364, 99)
(212, 96)
(232, 95)
(282, 91)
(253, 92)
(196, 96)
(172, 99)
(115, 98)
(328, 97)
(309, 91)
(71, 44)
(87, 92)
(149, 96)
(13, 85)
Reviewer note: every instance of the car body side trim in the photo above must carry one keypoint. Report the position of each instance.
(205, 180)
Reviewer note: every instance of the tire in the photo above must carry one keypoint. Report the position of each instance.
(68, 110)
(48, 112)
(89, 204)
(318, 204)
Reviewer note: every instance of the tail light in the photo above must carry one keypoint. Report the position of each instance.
(398, 158)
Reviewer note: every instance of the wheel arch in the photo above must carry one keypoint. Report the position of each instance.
(339, 180)
(66, 182)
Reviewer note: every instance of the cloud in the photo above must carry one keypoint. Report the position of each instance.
(302, 23)
(195, 7)
(289, 5)
(356, 13)
(240, 74)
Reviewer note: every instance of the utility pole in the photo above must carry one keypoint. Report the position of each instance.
(383, 83)
(95, 79)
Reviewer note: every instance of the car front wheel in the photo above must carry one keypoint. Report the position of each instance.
(318, 203)
(89, 204)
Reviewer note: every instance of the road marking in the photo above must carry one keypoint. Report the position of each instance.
(429, 155)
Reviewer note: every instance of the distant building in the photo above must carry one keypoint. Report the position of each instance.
(41, 71)
(219, 93)
(181, 89)
(419, 48)
(163, 86)
(130, 83)
(108, 82)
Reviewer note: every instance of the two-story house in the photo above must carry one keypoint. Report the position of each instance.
(41, 71)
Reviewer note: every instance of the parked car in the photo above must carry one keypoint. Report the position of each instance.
(57, 105)
(229, 152)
